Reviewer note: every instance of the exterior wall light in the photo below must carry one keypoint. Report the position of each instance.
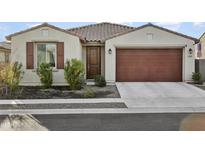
(110, 51)
(190, 52)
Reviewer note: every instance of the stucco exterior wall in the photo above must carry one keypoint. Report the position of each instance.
(202, 41)
(72, 49)
(139, 39)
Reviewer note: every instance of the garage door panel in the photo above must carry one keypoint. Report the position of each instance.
(149, 65)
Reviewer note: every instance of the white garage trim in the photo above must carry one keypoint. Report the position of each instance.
(138, 39)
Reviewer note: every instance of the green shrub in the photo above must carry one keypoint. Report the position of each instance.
(74, 73)
(196, 77)
(45, 72)
(88, 93)
(100, 81)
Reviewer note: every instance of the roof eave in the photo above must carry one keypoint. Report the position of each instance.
(174, 32)
(201, 36)
(39, 26)
(161, 28)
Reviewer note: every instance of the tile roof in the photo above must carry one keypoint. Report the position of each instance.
(5, 45)
(101, 31)
(104, 31)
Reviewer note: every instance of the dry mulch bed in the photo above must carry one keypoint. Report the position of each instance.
(61, 92)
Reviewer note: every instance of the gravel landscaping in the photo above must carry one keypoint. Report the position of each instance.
(62, 92)
(63, 106)
(201, 86)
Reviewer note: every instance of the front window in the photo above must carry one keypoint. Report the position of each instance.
(46, 53)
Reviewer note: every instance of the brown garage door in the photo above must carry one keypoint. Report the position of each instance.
(154, 65)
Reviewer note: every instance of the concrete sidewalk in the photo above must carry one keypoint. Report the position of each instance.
(104, 111)
(139, 107)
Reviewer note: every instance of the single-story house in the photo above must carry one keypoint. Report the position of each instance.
(5, 51)
(120, 53)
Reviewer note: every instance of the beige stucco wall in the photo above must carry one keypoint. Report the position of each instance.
(139, 39)
(72, 49)
(202, 41)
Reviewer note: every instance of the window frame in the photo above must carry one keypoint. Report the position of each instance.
(36, 51)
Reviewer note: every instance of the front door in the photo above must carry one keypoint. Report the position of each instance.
(93, 62)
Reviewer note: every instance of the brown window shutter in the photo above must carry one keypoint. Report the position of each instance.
(60, 55)
(29, 55)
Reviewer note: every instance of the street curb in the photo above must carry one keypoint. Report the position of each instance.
(56, 101)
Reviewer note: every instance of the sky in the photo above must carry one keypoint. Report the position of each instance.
(194, 29)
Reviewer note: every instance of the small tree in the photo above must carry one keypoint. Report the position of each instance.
(14, 75)
(45, 72)
(11, 75)
(3, 73)
(74, 73)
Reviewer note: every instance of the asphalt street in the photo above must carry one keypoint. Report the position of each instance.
(112, 122)
(105, 122)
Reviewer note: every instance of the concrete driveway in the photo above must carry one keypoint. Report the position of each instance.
(161, 95)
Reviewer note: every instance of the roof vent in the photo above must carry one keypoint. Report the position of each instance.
(44, 32)
(150, 36)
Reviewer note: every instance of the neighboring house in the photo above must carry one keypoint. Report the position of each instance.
(200, 56)
(200, 47)
(118, 52)
(5, 51)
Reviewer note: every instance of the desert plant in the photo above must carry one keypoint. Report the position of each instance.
(74, 73)
(88, 93)
(196, 77)
(3, 68)
(100, 81)
(3, 86)
(45, 72)
(11, 75)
